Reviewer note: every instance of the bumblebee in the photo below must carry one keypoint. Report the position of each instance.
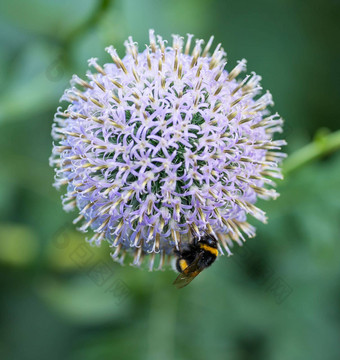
(195, 257)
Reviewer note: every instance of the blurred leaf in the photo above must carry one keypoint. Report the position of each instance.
(37, 84)
(80, 300)
(18, 244)
(68, 250)
(47, 17)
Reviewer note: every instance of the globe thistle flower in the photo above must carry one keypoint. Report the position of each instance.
(164, 142)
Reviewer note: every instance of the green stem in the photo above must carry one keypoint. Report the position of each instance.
(320, 147)
(162, 327)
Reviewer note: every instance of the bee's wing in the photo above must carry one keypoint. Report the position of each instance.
(188, 274)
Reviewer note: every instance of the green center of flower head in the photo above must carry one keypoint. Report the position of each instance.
(165, 142)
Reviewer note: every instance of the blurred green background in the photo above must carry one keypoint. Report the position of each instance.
(277, 298)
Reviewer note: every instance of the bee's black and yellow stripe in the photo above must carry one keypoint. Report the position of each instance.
(183, 264)
(194, 257)
(207, 254)
(208, 248)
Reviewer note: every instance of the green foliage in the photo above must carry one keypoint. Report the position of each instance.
(276, 298)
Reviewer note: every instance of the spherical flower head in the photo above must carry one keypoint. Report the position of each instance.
(165, 143)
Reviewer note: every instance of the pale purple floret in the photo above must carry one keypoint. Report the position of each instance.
(164, 141)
